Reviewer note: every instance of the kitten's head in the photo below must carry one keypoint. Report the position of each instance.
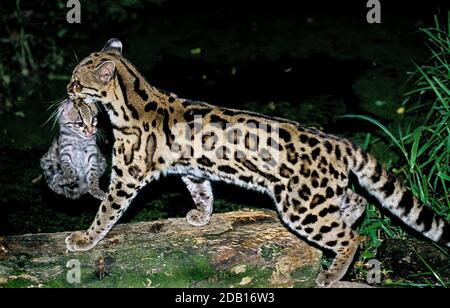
(79, 117)
(92, 79)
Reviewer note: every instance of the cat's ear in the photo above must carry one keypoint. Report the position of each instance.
(105, 71)
(113, 45)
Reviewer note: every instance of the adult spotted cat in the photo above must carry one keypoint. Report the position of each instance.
(304, 170)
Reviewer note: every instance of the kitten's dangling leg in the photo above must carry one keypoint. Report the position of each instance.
(102, 164)
(72, 191)
(93, 176)
(68, 171)
(201, 193)
(52, 175)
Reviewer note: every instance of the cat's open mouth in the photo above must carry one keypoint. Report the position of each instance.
(73, 95)
(88, 99)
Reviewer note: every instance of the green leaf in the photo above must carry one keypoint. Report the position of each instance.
(416, 138)
(384, 128)
(443, 176)
(196, 51)
(19, 114)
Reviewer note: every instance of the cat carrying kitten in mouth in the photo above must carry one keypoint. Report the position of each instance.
(74, 164)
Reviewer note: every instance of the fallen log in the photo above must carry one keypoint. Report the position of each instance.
(248, 248)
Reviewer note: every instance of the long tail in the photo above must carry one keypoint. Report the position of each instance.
(398, 200)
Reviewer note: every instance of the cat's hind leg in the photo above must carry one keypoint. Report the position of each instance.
(345, 249)
(318, 220)
(201, 192)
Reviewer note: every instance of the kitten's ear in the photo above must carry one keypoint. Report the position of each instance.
(113, 45)
(105, 71)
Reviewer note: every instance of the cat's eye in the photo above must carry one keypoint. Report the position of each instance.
(80, 124)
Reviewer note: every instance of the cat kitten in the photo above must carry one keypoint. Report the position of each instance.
(74, 164)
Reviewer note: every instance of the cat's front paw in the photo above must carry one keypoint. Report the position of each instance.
(325, 279)
(197, 218)
(79, 241)
(98, 193)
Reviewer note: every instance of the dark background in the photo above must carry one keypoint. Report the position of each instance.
(310, 62)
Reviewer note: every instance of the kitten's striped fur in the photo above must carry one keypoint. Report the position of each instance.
(74, 164)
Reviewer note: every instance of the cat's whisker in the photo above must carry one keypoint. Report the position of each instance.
(98, 105)
(100, 135)
(76, 57)
(55, 102)
(55, 113)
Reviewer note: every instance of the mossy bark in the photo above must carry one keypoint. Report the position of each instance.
(237, 249)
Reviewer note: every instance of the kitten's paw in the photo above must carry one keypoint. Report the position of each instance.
(67, 180)
(197, 218)
(99, 194)
(325, 279)
(71, 193)
(79, 241)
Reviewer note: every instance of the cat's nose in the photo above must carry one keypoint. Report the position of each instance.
(76, 84)
(90, 130)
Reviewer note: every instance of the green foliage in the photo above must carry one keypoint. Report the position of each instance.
(425, 149)
(428, 159)
(424, 146)
(27, 54)
(33, 33)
